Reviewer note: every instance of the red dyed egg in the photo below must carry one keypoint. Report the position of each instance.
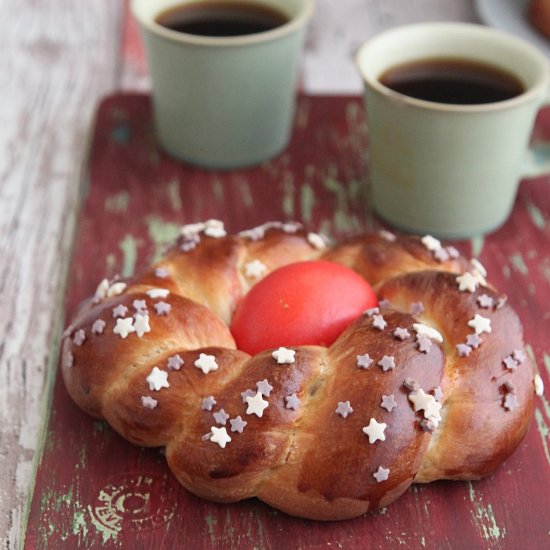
(309, 302)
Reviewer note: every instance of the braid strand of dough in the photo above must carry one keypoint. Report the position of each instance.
(439, 396)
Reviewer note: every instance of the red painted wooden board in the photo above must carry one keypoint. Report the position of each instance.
(94, 489)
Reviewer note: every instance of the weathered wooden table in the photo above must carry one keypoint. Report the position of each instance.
(59, 61)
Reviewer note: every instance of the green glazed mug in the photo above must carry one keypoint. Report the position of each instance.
(447, 169)
(223, 101)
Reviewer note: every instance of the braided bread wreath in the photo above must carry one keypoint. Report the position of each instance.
(432, 384)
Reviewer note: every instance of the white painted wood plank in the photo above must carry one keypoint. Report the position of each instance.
(58, 58)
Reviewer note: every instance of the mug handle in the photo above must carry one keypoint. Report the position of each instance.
(537, 160)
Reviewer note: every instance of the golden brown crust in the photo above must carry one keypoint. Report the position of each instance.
(156, 359)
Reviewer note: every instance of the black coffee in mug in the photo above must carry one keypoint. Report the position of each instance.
(217, 18)
(455, 81)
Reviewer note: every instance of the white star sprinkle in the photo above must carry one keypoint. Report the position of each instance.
(256, 405)
(423, 343)
(463, 350)
(107, 290)
(375, 431)
(158, 293)
(221, 417)
(208, 403)
(417, 308)
(247, 393)
(99, 326)
(68, 360)
(157, 379)
(480, 324)
(428, 331)
(379, 322)
(431, 243)
(316, 241)
(510, 363)
(467, 282)
(161, 272)
(219, 436)
(255, 269)
(141, 324)
(124, 327)
(518, 355)
(120, 311)
(372, 311)
(101, 290)
(427, 403)
(175, 362)
(401, 333)
(441, 255)
(162, 308)
(387, 235)
(381, 474)
(364, 361)
(344, 409)
(238, 424)
(479, 271)
(264, 387)
(207, 363)
(214, 229)
(510, 402)
(284, 355)
(473, 340)
(140, 306)
(387, 363)
(292, 402)
(411, 384)
(79, 337)
(116, 289)
(148, 402)
(388, 402)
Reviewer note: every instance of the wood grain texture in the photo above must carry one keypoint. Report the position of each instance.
(56, 60)
(93, 488)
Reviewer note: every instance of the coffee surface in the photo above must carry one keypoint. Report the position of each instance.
(454, 81)
(217, 18)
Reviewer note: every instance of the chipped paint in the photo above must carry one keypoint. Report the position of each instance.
(307, 202)
(118, 202)
(536, 215)
(173, 192)
(211, 524)
(344, 222)
(289, 193)
(519, 263)
(121, 134)
(80, 527)
(110, 265)
(477, 244)
(546, 360)
(129, 246)
(484, 518)
(161, 233)
(544, 432)
(246, 194)
(217, 189)
(544, 266)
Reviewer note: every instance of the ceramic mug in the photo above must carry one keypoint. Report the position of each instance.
(223, 102)
(446, 169)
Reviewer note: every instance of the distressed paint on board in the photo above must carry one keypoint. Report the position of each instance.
(79, 484)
